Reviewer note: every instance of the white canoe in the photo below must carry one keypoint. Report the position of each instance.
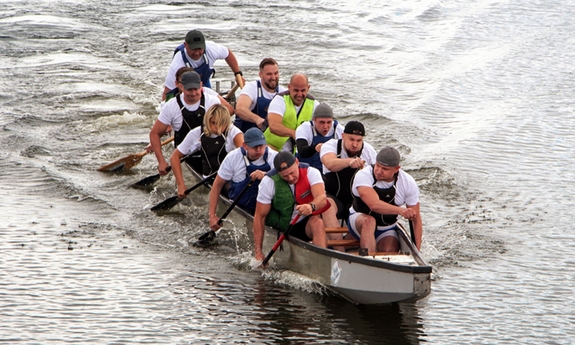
(377, 278)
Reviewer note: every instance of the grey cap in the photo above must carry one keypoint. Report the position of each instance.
(191, 80)
(195, 39)
(283, 160)
(254, 137)
(322, 111)
(388, 156)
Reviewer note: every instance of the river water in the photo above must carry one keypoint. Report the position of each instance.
(477, 95)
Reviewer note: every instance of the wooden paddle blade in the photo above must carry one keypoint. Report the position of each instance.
(129, 161)
(206, 239)
(125, 163)
(166, 204)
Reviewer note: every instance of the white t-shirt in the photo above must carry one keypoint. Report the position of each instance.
(278, 106)
(267, 188)
(251, 90)
(192, 143)
(233, 167)
(406, 190)
(305, 131)
(368, 153)
(170, 114)
(213, 52)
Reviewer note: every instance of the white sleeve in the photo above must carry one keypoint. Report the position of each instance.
(232, 133)
(231, 163)
(176, 63)
(327, 147)
(304, 131)
(266, 191)
(191, 142)
(208, 91)
(277, 106)
(314, 176)
(368, 154)
(339, 131)
(215, 52)
(251, 90)
(363, 178)
(210, 100)
(407, 190)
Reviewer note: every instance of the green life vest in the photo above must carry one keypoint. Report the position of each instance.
(284, 200)
(290, 119)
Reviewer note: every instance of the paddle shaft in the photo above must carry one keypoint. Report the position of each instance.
(235, 202)
(280, 240)
(412, 233)
(292, 223)
(187, 191)
(232, 91)
(174, 200)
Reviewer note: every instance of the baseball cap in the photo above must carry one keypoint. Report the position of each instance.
(254, 137)
(283, 160)
(354, 127)
(195, 39)
(322, 111)
(388, 156)
(191, 80)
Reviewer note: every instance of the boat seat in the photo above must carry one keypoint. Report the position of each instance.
(344, 243)
(336, 230)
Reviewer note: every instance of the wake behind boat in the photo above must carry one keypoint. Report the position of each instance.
(369, 278)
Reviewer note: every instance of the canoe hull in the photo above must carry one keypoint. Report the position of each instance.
(378, 279)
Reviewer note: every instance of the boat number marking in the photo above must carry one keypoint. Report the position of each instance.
(335, 273)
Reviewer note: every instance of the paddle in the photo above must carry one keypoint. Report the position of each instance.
(148, 181)
(174, 200)
(291, 224)
(412, 233)
(209, 236)
(129, 161)
(232, 91)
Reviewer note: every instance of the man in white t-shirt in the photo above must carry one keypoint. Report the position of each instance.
(311, 135)
(201, 55)
(286, 191)
(182, 113)
(254, 100)
(379, 192)
(287, 111)
(248, 163)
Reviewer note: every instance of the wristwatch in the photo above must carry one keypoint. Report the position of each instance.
(312, 206)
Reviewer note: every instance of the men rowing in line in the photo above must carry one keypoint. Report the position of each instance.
(295, 119)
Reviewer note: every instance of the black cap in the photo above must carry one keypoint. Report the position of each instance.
(283, 160)
(354, 127)
(195, 39)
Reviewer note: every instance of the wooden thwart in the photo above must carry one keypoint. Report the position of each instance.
(344, 243)
(337, 230)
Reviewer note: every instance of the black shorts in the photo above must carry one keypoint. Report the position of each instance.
(298, 230)
(342, 209)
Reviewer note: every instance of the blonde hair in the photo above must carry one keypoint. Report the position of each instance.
(221, 116)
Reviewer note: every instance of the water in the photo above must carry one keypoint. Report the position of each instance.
(476, 95)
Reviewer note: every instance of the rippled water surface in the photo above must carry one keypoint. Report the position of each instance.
(478, 97)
